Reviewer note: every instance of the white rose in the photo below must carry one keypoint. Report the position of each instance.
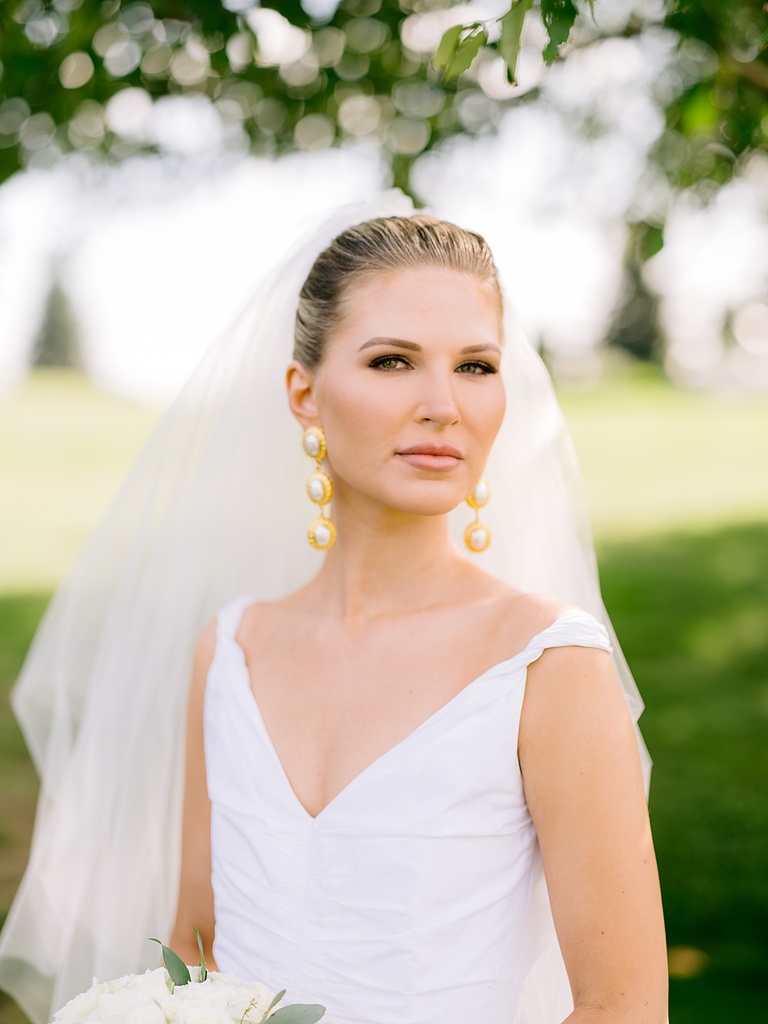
(80, 1008)
(114, 1007)
(146, 999)
(242, 999)
(149, 1013)
(126, 982)
(202, 1013)
(169, 1005)
(201, 1003)
(153, 983)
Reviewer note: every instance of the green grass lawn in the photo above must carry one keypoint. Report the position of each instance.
(657, 459)
(692, 613)
(679, 491)
(64, 448)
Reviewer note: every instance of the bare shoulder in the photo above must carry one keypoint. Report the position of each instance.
(520, 616)
(539, 610)
(266, 619)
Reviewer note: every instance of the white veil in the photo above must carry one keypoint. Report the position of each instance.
(215, 506)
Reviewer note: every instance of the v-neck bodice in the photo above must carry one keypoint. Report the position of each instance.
(416, 894)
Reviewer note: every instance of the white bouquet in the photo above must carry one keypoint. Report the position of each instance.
(178, 994)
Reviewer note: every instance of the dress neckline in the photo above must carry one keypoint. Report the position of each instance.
(378, 764)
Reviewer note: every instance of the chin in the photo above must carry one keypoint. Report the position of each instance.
(411, 497)
(425, 504)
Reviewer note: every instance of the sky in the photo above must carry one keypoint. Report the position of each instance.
(158, 254)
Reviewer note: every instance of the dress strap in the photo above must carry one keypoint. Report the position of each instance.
(228, 618)
(574, 628)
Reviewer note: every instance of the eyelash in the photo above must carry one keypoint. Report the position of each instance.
(377, 363)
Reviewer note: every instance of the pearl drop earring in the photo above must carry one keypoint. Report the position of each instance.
(322, 531)
(477, 535)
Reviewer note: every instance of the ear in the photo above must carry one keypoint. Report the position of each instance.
(300, 383)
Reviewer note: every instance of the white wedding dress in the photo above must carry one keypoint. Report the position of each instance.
(416, 896)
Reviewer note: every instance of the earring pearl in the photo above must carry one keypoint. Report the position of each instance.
(477, 535)
(322, 531)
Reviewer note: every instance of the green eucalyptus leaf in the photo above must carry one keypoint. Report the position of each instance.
(447, 48)
(275, 1001)
(511, 29)
(558, 17)
(203, 967)
(300, 1013)
(177, 969)
(467, 50)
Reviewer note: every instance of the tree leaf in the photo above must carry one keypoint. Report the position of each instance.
(300, 1013)
(558, 17)
(511, 28)
(177, 969)
(275, 1001)
(203, 967)
(467, 50)
(447, 48)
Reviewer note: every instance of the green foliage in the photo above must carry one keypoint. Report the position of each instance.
(558, 17)
(351, 75)
(277, 998)
(715, 103)
(459, 47)
(355, 77)
(461, 44)
(307, 1013)
(721, 111)
(449, 43)
(203, 965)
(511, 30)
(177, 969)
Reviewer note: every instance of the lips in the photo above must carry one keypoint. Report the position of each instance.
(431, 456)
(431, 449)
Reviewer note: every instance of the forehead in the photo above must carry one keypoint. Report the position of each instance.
(421, 303)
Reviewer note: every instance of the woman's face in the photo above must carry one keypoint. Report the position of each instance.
(409, 391)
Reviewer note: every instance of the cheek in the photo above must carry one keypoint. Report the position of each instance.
(488, 417)
(346, 412)
(357, 425)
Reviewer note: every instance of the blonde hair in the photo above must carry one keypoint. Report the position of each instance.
(378, 246)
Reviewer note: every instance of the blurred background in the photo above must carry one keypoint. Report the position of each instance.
(156, 158)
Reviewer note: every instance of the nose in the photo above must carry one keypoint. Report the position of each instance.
(438, 403)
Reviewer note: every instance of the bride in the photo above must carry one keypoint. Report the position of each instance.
(412, 787)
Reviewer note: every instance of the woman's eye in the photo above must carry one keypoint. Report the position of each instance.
(477, 367)
(389, 362)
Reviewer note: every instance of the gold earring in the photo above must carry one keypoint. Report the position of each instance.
(322, 531)
(477, 535)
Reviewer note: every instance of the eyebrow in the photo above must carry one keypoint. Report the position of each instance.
(411, 346)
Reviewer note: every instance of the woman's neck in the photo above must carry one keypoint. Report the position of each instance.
(387, 566)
